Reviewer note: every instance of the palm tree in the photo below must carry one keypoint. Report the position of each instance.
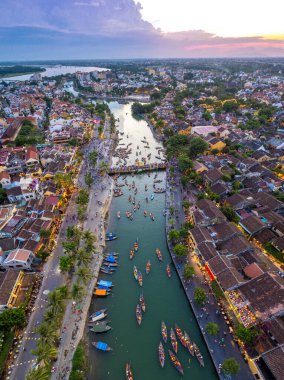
(78, 292)
(84, 274)
(83, 257)
(48, 332)
(63, 290)
(45, 353)
(89, 239)
(55, 302)
(41, 373)
(103, 167)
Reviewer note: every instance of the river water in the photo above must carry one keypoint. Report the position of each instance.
(164, 297)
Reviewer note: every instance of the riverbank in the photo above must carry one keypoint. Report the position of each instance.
(219, 347)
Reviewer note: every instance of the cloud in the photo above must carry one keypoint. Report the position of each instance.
(108, 29)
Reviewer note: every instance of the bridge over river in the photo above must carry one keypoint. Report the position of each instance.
(137, 168)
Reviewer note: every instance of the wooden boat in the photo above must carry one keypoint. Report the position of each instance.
(162, 354)
(145, 213)
(159, 254)
(111, 236)
(135, 272)
(131, 254)
(152, 196)
(110, 265)
(198, 354)
(101, 293)
(176, 362)
(189, 345)
(100, 329)
(103, 287)
(180, 336)
(102, 346)
(118, 214)
(138, 314)
(109, 284)
(136, 246)
(169, 272)
(142, 302)
(128, 372)
(174, 341)
(148, 266)
(164, 332)
(106, 271)
(97, 316)
(140, 278)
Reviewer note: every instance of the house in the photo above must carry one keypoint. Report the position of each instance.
(17, 194)
(5, 179)
(211, 176)
(239, 201)
(215, 144)
(10, 286)
(265, 295)
(19, 259)
(206, 213)
(252, 225)
(199, 167)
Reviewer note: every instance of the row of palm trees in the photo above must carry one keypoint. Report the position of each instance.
(79, 251)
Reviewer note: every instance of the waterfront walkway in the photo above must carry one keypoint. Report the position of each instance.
(218, 349)
(137, 168)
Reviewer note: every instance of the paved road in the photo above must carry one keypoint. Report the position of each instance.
(52, 279)
(206, 314)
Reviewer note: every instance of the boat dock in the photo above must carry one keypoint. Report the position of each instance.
(137, 168)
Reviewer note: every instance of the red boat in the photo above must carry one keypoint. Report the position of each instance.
(138, 314)
(180, 336)
(169, 273)
(176, 362)
(164, 332)
(174, 341)
(142, 302)
(128, 372)
(189, 345)
(162, 354)
(148, 267)
(136, 246)
(159, 254)
(131, 254)
(140, 278)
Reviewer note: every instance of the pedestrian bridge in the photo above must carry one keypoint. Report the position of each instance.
(137, 168)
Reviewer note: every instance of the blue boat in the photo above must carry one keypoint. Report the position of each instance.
(111, 236)
(105, 283)
(152, 196)
(110, 259)
(102, 346)
(103, 287)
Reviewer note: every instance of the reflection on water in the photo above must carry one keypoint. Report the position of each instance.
(164, 297)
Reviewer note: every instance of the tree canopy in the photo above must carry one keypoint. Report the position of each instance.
(200, 296)
(230, 366)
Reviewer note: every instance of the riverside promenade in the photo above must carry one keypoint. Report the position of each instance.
(221, 346)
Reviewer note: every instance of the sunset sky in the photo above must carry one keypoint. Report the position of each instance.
(70, 29)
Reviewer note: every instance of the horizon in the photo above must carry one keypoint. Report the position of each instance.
(33, 30)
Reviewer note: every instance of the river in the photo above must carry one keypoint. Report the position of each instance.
(54, 70)
(164, 297)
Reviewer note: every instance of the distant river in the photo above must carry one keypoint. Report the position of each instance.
(164, 297)
(52, 71)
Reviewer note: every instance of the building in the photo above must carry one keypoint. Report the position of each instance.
(10, 286)
(19, 259)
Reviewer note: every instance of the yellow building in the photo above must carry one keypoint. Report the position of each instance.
(185, 132)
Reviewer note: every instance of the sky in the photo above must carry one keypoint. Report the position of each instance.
(100, 29)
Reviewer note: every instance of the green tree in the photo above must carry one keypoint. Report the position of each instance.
(78, 292)
(65, 263)
(84, 274)
(93, 157)
(83, 197)
(186, 204)
(229, 212)
(184, 162)
(45, 353)
(88, 179)
(197, 146)
(246, 334)
(12, 318)
(40, 373)
(44, 233)
(82, 213)
(173, 235)
(230, 366)
(180, 250)
(212, 328)
(188, 271)
(200, 296)
(48, 332)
